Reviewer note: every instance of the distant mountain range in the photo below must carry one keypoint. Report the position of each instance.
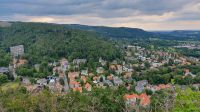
(113, 32)
(134, 33)
(179, 35)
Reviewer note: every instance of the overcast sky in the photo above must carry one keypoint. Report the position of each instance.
(145, 14)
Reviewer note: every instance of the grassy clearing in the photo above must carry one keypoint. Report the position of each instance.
(10, 85)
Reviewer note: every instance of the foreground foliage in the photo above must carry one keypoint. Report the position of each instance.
(22, 101)
(187, 101)
(18, 99)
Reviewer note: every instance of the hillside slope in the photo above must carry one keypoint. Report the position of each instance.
(50, 41)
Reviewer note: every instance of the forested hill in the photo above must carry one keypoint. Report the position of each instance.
(44, 41)
(179, 35)
(120, 32)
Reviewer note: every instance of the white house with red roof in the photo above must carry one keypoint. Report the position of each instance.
(88, 87)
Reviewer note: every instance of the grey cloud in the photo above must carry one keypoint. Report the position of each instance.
(99, 7)
(96, 8)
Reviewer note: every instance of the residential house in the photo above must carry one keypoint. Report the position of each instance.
(178, 61)
(91, 74)
(127, 75)
(155, 65)
(144, 100)
(131, 47)
(112, 67)
(79, 61)
(64, 64)
(127, 68)
(42, 82)
(73, 75)
(132, 99)
(84, 72)
(100, 70)
(103, 62)
(57, 70)
(79, 89)
(194, 59)
(128, 86)
(4, 70)
(141, 86)
(54, 64)
(52, 84)
(88, 87)
(155, 88)
(95, 79)
(50, 77)
(84, 79)
(196, 86)
(117, 81)
(114, 62)
(128, 53)
(110, 77)
(102, 78)
(187, 72)
(108, 83)
(101, 85)
(119, 69)
(26, 81)
(129, 79)
(142, 82)
(74, 84)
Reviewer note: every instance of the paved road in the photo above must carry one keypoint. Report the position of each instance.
(12, 68)
(66, 87)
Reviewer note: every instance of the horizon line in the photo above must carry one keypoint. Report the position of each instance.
(169, 30)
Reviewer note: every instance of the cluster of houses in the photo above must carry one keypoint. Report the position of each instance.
(189, 46)
(154, 58)
(142, 99)
(120, 74)
(51, 82)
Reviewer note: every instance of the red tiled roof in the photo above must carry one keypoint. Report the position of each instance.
(95, 78)
(74, 82)
(112, 67)
(163, 86)
(128, 97)
(87, 85)
(145, 100)
(73, 74)
(110, 77)
(91, 74)
(78, 89)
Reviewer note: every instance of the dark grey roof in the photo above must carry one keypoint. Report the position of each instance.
(142, 83)
(4, 70)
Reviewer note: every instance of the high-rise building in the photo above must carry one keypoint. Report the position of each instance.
(17, 50)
